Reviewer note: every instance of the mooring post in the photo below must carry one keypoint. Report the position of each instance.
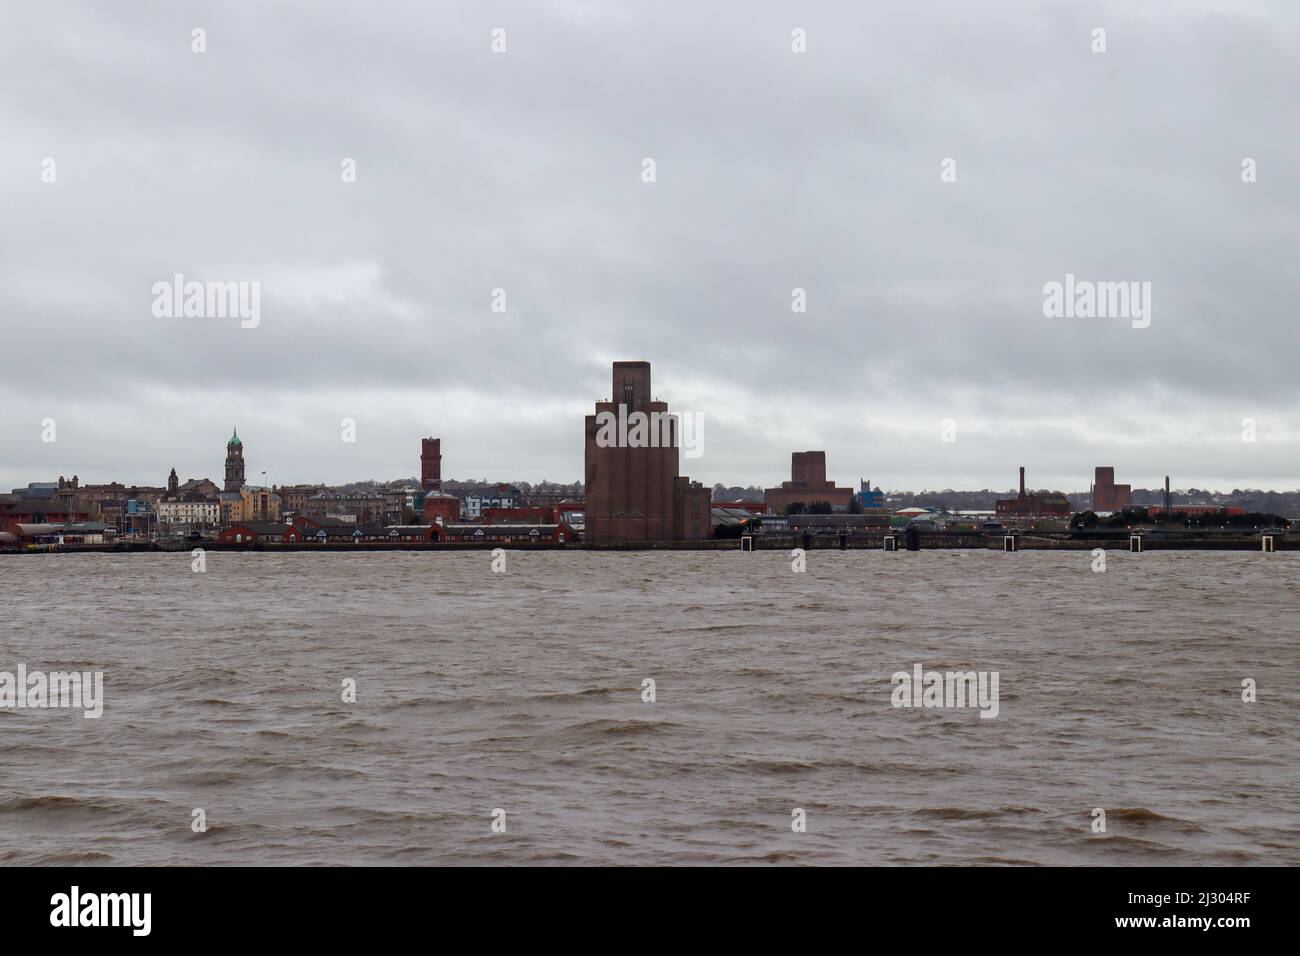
(1010, 542)
(746, 542)
(912, 538)
(1268, 543)
(1135, 543)
(891, 542)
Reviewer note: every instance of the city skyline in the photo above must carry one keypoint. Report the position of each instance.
(416, 478)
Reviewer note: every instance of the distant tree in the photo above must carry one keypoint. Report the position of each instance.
(723, 492)
(796, 508)
(820, 508)
(855, 505)
(1084, 519)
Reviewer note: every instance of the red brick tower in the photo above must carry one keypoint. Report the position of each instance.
(431, 464)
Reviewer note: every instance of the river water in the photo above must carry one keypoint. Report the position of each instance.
(522, 691)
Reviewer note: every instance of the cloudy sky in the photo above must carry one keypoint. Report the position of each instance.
(774, 170)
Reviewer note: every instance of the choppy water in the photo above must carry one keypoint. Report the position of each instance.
(522, 691)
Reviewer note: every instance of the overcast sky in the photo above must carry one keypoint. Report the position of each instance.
(774, 170)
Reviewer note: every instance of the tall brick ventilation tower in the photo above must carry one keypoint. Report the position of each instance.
(634, 492)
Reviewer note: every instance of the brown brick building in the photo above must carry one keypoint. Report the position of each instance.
(294, 498)
(634, 492)
(1108, 496)
(366, 508)
(807, 484)
(250, 532)
(441, 508)
(1036, 504)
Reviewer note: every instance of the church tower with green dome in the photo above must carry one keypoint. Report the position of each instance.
(234, 463)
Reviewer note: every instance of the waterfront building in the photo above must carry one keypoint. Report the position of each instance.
(364, 508)
(185, 507)
(259, 504)
(110, 503)
(42, 511)
(807, 485)
(20, 535)
(633, 489)
(189, 512)
(870, 497)
(553, 495)
(1035, 505)
(1108, 496)
(335, 534)
(510, 533)
(294, 498)
(251, 503)
(834, 524)
(562, 513)
(414, 533)
(199, 486)
(440, 508)
(473, 504)
(251, 532)
(44, 489)
(395, 504)
(231, 504)
(524, 514)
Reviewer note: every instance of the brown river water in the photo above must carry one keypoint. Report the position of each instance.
(522, 691)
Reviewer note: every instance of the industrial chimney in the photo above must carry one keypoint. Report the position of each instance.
(1022, 481)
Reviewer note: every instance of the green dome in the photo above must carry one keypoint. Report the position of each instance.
(234, 439)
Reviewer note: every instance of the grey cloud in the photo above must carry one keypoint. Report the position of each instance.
(775, 170)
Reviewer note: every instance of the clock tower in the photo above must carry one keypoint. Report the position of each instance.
(234, 463)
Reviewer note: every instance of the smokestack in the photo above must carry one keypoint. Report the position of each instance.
(1167, 502)
(1022, 481)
